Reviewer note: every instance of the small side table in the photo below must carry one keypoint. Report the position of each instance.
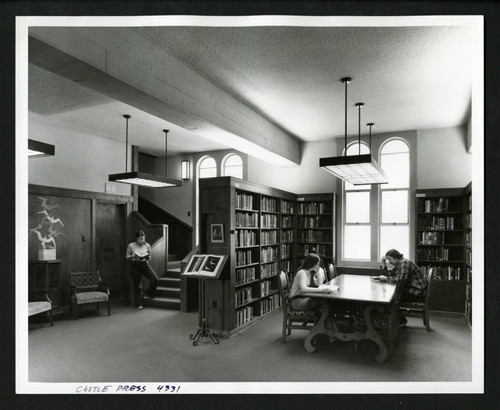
(44, 278)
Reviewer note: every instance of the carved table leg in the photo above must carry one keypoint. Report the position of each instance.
(317, 329)
(372, 334)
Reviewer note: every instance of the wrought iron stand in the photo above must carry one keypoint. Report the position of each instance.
(203, 331)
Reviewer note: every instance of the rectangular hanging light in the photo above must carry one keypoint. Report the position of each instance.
(355, 169)
(145, 180)
(40, 149)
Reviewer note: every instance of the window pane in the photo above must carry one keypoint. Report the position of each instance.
(234, 171)
(395, 206)
(357, 242)
(233, 160)
(208, 168)
(354, 149)
(397, 169)
(395, 237)
(395, 146)
(357, 208)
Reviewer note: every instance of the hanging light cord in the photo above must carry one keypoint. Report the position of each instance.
(127, 117)
(359, 105)
(345, 80)
(166, 139)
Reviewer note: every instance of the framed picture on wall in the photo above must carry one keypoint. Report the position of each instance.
(217, 233)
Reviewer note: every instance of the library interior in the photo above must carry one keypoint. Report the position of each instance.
(266, 203)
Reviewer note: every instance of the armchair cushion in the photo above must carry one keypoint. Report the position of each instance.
(90, 297)
(38, 307)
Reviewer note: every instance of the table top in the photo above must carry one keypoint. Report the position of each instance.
(360, 288)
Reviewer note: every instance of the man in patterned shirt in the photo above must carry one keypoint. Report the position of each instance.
(416, 283)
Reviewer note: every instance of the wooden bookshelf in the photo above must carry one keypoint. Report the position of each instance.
(440, 243)
(316, 226)
(468, 253)
(261, 239)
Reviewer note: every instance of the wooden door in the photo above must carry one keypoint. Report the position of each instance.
(111, 244)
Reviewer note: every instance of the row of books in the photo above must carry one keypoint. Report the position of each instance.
(245, 275)
(286, 221)
(269, 304)
(432, 238)
(468, 274)
(286, 265)
(247, 220)
(310, 221)
(313, 208)
(320, 250)
(436, 223)
(286, 207)
(268, 254)
(444, 272)
(243, 296)
(286, 251)
(311, 236)
(246, 238)
(268, 270)
(468, 238)
(244, 315)
(269, 237)
(287, 236)
(433, 254)
(434, 205)
(244, 201)
(269, 221)
(468, 257)
(265, 288)
(268, 204)
(243, 257)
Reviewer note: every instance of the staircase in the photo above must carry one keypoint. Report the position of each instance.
(168, 293)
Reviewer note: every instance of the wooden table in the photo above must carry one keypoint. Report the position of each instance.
(366, 295)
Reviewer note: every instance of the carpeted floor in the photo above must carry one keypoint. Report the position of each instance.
(153, 345)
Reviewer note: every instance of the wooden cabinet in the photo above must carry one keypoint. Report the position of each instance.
(468, 253)
(44, 277)
(261, 238)
(440, 244)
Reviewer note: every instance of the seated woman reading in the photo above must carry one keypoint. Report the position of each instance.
(304, 283)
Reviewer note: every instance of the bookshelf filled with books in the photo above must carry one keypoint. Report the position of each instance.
(260, 236)
(440, 244)
(468, 253)
(315, 226)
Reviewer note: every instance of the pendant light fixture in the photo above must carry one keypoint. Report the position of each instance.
(40, 149)
(141, 178)
(355, 169)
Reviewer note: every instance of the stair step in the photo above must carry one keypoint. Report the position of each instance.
(172, 273)
(168, 292)
(170, 282)
(163, 303)
(173, 264)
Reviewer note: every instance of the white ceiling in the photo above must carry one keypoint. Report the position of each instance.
(408, 77)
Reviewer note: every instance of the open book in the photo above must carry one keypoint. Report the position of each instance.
(331, 288)
(143, 256)
(205, 265)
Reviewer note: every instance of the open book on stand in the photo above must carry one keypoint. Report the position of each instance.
(205, 266)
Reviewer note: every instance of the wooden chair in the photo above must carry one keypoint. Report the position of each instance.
(37, 307)
(293, 319)
(87, 287)
(421, 308)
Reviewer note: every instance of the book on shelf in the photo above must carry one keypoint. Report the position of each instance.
(205, 266)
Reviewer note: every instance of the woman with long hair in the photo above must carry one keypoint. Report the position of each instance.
(303, 282)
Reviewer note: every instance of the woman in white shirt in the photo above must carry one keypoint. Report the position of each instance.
(304, 283)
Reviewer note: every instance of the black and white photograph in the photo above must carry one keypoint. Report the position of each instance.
(217, 233)
(359, 140)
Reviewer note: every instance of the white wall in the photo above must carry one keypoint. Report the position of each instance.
(81, 161)
(442, 158)
(306, 178)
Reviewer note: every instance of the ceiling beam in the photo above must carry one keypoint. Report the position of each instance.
(123, 65)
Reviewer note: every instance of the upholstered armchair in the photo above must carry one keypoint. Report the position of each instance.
(87, 287)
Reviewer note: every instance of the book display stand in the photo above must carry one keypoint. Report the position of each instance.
(204, 267)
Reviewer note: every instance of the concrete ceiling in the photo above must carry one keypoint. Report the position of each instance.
(408, 77)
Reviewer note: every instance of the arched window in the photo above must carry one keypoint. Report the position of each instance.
(232, 165)
(394, 203)
(356, 213)
(207, 168)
